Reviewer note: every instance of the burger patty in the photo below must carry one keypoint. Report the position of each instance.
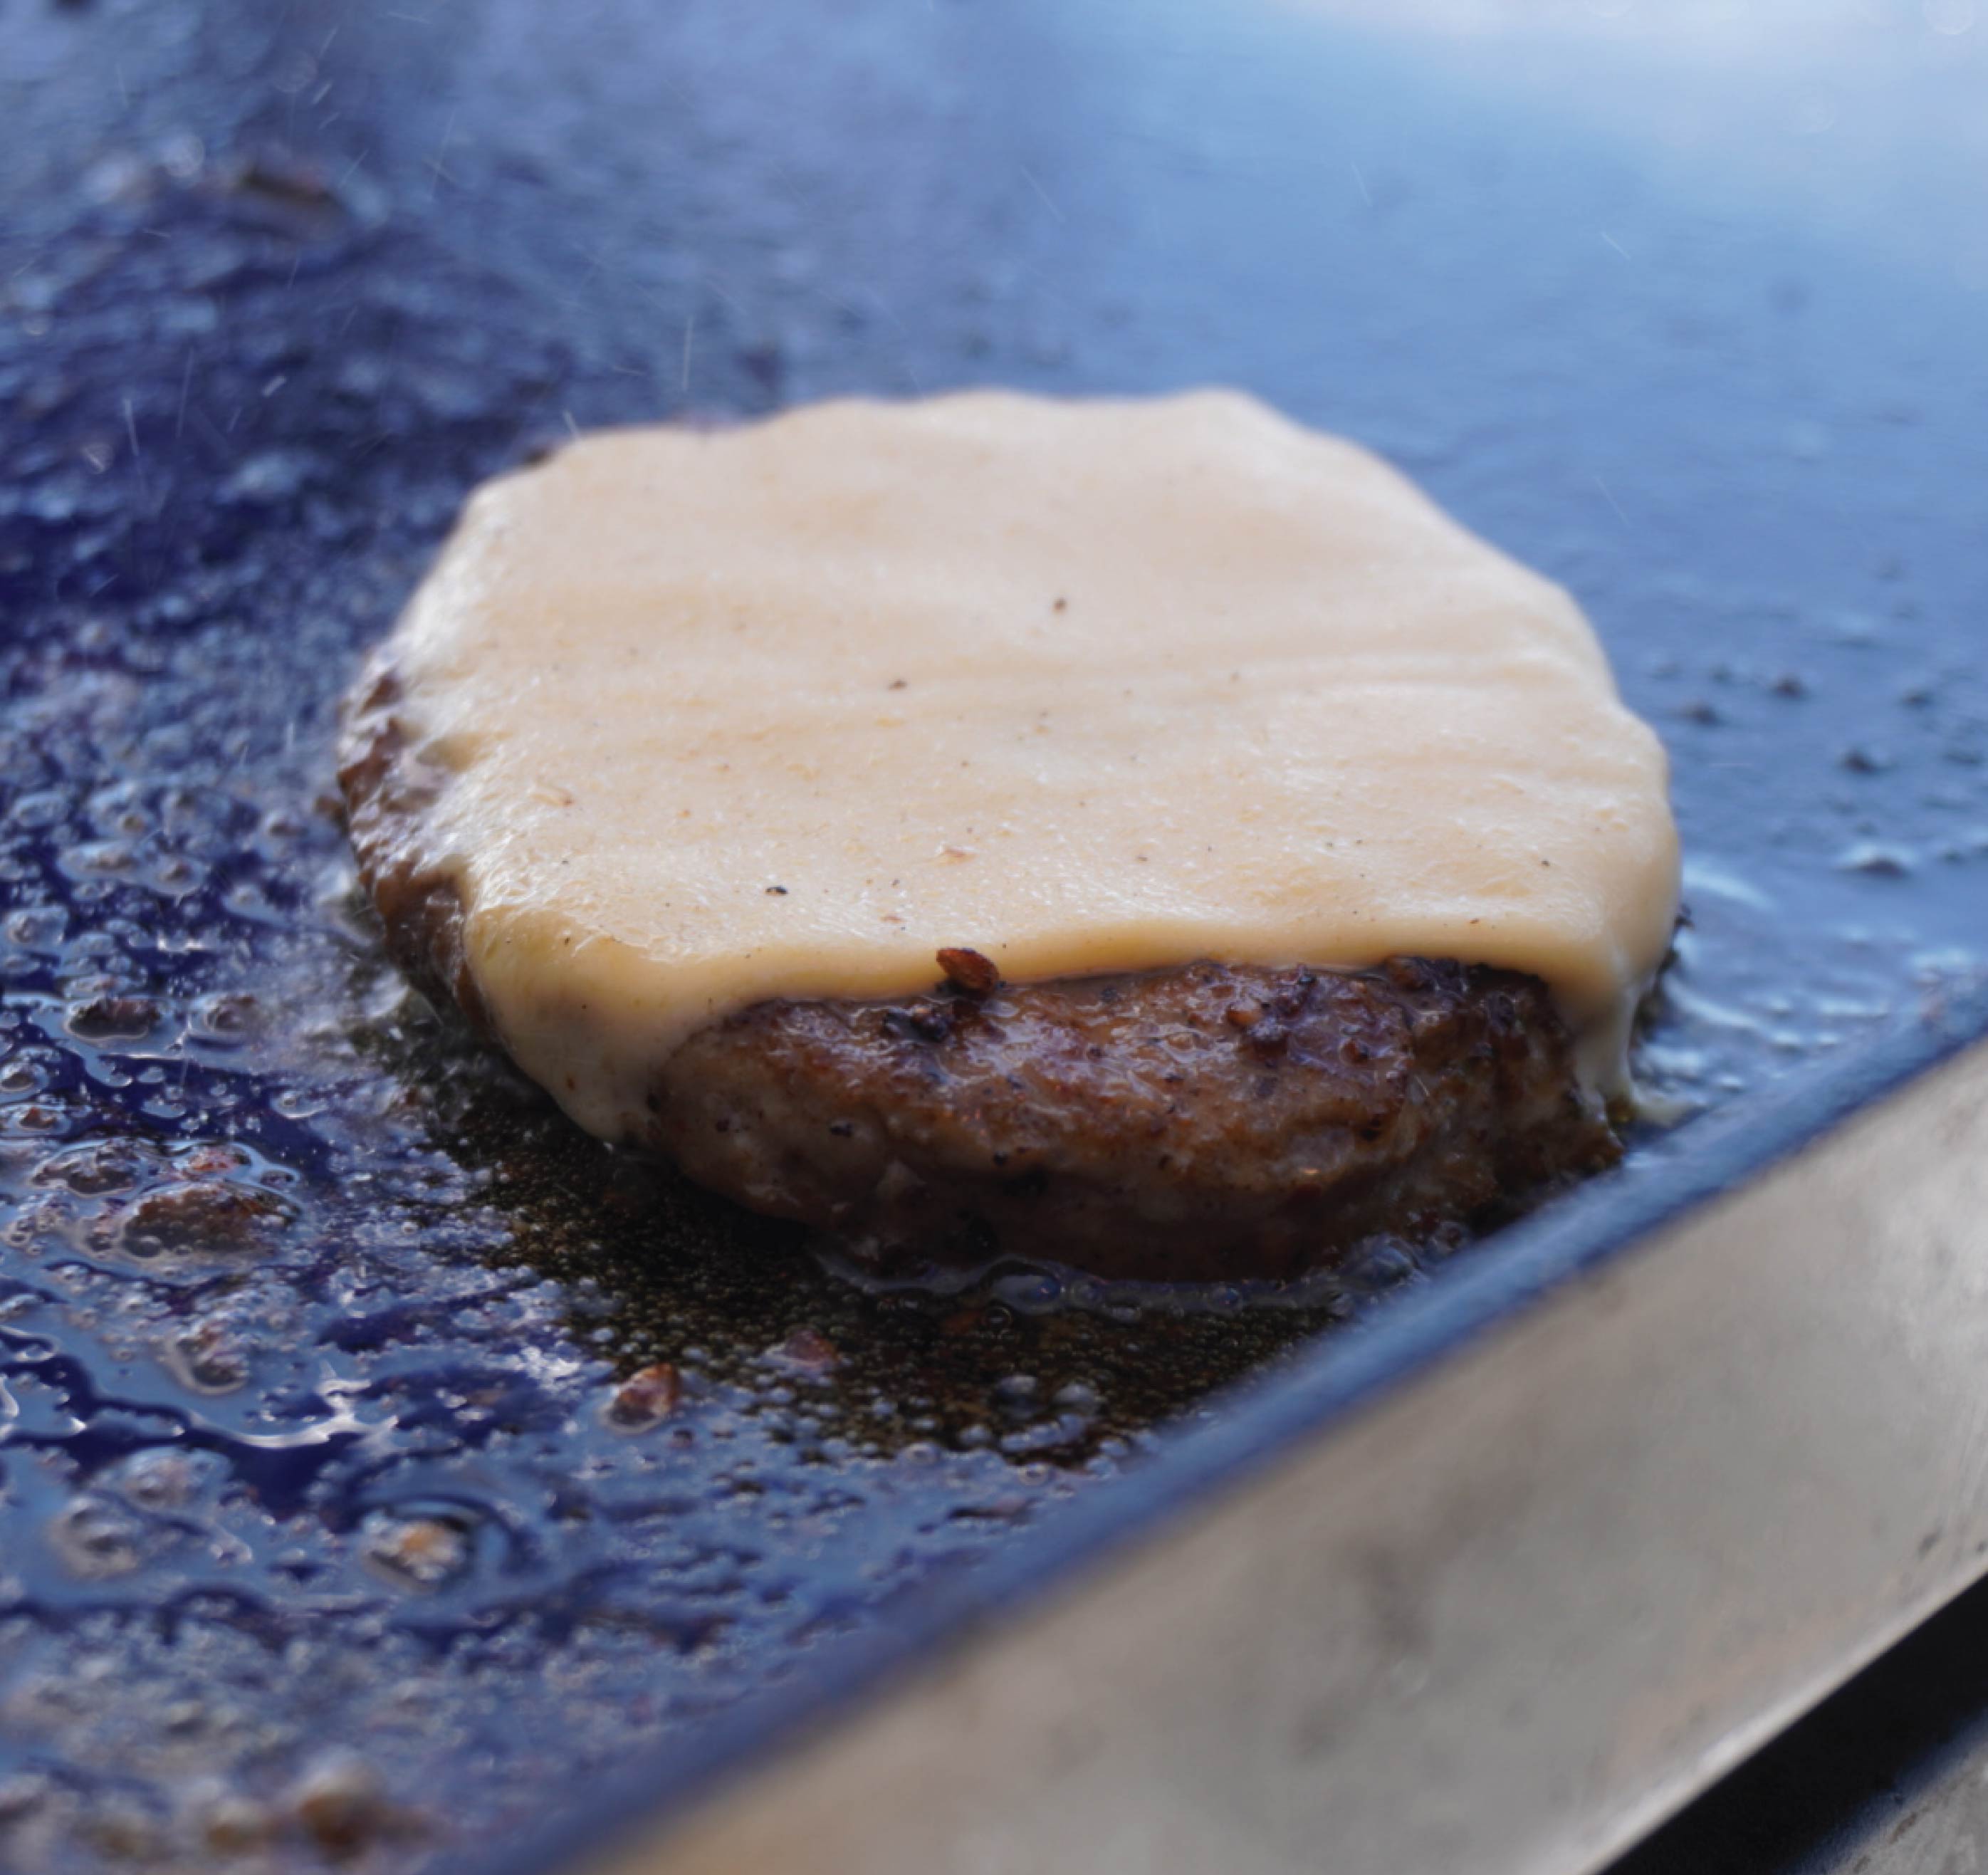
(1213, 1121)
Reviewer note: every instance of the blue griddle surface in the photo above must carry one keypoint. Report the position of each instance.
(309, 1309)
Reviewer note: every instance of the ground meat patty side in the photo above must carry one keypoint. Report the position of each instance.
(1210, 1122)
(388, 793)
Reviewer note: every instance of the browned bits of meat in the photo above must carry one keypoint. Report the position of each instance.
(114, 1018)
(645, 1399)
(387, 792)
(920, 1022)
(1131, 1125)
(280, 179)
(124, 1832)
(969, 973)
(807, 1351)
(338, 1804)
(209, 1157)
(415, 1552)
(227, 1016)
(227, 1822)
(208, 1355)
(100, 1166)
(201, 1215)
(95, 1538)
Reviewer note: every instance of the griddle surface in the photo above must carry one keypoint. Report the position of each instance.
(309, 1309)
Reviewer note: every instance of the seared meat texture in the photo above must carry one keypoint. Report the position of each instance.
(1210, 1122)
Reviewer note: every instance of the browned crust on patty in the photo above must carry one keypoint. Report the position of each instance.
(388, 793)
(1213, 1121)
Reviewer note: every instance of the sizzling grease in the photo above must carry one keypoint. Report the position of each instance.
(782, 710)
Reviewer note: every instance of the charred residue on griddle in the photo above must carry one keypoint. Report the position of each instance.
(736, 1305)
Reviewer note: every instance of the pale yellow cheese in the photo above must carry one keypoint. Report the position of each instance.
(782, 710)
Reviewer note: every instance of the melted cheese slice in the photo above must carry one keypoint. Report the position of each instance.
(781, 710)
